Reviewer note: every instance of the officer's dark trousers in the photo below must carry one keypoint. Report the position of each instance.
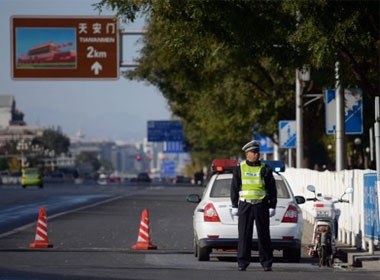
(250, 214)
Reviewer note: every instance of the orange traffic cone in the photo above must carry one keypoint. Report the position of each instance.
(143, 239)
(41, 239)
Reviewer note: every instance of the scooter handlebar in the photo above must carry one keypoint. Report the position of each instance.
(311, 199)
(344, 200)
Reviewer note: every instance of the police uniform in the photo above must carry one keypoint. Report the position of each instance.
(253, 192)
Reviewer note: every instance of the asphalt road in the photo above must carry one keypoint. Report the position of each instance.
(92, 239)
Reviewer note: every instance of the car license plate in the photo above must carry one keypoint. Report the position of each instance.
(323, 214)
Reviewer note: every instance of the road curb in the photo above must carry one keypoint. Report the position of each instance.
(355, 257)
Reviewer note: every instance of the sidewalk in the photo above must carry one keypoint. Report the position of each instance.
(354, 257)
(350, 257)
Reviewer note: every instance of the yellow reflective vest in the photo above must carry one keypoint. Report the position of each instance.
(253, 185)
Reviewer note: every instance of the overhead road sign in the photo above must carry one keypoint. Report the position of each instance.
(161, 131)
(173, 147)
(353, 111)
(288, 134)
(64, 48)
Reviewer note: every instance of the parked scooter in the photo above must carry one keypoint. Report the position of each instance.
(325, 226)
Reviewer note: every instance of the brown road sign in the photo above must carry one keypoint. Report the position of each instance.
(64, 48)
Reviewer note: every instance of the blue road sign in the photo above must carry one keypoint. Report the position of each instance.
(288, 134)
(168, 169)
(173, 147)
(353, 111)
(160, 131)
(371, 207)
(266, 144)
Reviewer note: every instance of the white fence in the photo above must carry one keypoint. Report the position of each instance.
(351, 220)
(6, 179)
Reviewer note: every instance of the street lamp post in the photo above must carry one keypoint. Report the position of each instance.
(299, 120)
(302, 75)
(49, 158)
(340, 122)
(22, 146)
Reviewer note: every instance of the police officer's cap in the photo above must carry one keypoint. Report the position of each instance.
(251, 146)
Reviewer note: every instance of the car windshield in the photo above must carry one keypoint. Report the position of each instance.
(221, 188)
(143, 176)
(31, 171)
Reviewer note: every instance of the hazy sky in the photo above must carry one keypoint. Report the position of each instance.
(113, 109)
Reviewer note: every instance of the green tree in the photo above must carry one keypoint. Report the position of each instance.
(224, 66)
(87, 163)
(53, 140)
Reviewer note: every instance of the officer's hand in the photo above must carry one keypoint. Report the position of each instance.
(234, 211)
(272, 212)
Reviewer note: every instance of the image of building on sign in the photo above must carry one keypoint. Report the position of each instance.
(56, 48)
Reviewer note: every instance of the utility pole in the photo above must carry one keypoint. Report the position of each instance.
(340, 123)
(377, 137)
(299, 120)
(302, 75)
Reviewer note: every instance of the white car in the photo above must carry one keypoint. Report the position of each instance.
(216, 228)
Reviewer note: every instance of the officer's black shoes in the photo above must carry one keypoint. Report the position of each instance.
(244, 268)
(267, 269)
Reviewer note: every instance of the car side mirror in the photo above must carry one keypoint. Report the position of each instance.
(193, 198)
(311, 188)
(349, 190)
(300, 199)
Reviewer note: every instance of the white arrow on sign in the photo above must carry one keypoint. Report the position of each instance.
(263, 142)
(96, 67)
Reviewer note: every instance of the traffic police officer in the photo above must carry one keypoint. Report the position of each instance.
(254, 199)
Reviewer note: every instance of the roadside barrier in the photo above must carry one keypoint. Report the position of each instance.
(41, 238)
(143, 239)
(356, 217)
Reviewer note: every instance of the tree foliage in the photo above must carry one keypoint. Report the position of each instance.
(53, 140)
(88, 159)
(224, 66)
